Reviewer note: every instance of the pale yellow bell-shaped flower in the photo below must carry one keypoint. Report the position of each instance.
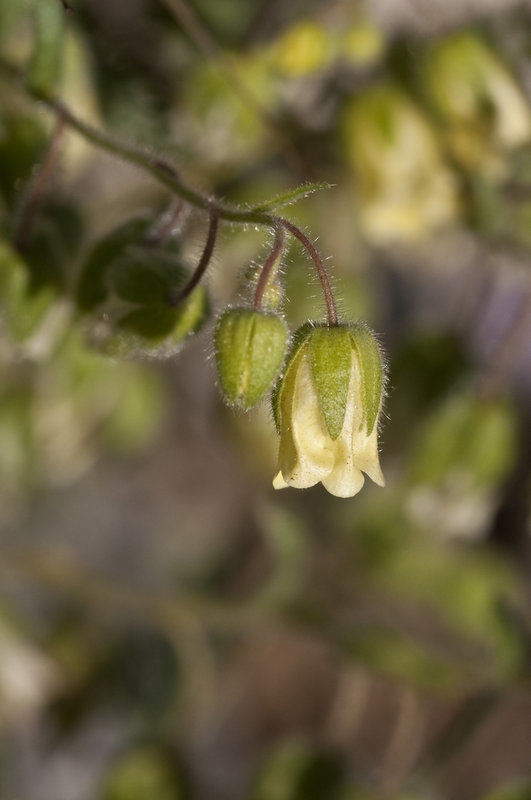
(327, 408)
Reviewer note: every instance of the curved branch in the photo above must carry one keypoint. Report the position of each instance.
(204, 261)
(272, 259)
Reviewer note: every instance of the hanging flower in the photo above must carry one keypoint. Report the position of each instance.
(326, 408)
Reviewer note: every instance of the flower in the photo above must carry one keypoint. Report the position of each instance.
(327, 407)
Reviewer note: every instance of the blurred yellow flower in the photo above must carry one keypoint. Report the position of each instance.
(404, 188)
(484, 111)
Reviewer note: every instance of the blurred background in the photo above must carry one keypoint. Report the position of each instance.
(170, 626)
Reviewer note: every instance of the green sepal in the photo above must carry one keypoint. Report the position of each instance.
(298, 341)
(250, 351)
(92, 288)
(331, 364)
(147, 277)
(372, 374)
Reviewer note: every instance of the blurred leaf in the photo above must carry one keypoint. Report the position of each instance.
(295, 772)
(44, 70)
(144, 773)
(511, 791)
(53, 244)
(23, 310)
(475, 439)
(147, 277)
(92, 287)
(23, 141)
(390, 653)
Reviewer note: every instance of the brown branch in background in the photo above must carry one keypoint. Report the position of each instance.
(35, 195)
(204, 261)
(510, 344)
(404, 743)
(205, 42)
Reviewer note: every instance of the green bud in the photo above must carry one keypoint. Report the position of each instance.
(250, 351)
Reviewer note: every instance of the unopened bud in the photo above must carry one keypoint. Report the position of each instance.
(250, 351)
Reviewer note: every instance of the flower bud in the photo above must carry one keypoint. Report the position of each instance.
(326, 409)
(250, 351)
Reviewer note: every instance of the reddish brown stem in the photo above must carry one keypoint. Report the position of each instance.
(167, 225)
(36, 191)
(204, 261)
(319, 266)
(274, 255)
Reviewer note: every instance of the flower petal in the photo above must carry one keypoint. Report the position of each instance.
(306, 451)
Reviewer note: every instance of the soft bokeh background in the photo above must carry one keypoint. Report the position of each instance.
(171, 627)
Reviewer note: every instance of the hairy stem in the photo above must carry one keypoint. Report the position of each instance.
(168, 224)
(204, 261)
(166, 174)
(319, 266)
(272, 259)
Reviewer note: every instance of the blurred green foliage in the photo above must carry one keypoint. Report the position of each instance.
(278, 659)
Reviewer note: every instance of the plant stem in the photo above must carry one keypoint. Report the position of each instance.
(166, 174)
(319, 266)
(204, 261)
(272, 260)
(165, 227)
(35, 194)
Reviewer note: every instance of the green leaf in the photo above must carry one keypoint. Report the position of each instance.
(22, 144)
(469, 437)
(372, 376)
(156, 324)
(147, 277)
(144, 773)
(45, 67)
(91, 287)
(331, 363)
(298, 772)
(150, 322)
(23, 308)
(292, 197)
